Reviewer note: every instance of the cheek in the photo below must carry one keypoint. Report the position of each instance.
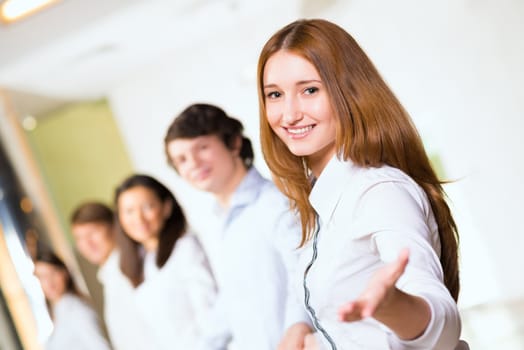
(183, 171)
(101, 238)
(125, 223)
(323, 109)
(272, 114)
(153, 215)
(53, 283)
(60, 285)
(84, 247)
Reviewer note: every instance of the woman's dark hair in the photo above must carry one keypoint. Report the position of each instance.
(131, 259)
(89, 212)
(202, 119)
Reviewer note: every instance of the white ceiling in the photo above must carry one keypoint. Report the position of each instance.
(78, 49)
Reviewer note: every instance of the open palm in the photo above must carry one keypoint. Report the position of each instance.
(378, 293)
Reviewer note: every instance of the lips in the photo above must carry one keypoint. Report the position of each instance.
(201, 175)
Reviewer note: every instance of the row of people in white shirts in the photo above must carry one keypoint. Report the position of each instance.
(358, 209)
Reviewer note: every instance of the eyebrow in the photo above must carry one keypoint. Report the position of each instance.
(301, 82)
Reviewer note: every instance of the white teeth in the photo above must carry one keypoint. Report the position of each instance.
(300, 130)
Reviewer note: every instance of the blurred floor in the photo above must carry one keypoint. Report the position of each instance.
(494, 326)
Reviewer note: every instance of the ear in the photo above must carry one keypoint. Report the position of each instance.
(167, 208)
(237, 145)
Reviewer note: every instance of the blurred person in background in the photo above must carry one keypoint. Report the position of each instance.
(93, 229)
(251, 235)
(174, 288)
(75, 323)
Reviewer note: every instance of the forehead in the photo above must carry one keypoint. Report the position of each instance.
(136, 194)
(286, 65)
(181, 146)
(42, 267)
(90, 228)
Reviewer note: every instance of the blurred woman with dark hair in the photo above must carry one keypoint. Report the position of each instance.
(76, 325)
(174, 287)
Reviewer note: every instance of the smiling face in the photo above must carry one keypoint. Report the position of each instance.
(298, 108)
(52, 279)
(94, 240)
(207, 163)
(142, 215)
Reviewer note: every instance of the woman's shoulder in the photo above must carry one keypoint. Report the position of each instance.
(368, 177)
(187, 247)
(188, 241)
(187, 256)
(383, 173)
(390, 182)
(70, 303)
(71, 299)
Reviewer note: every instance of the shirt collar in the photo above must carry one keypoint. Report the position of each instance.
(248, 189)
(329, 187)
(246, 192)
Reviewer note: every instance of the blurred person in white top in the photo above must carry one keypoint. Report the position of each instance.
(251, 234)
(93, 229)
(174, 289)
(75, 323)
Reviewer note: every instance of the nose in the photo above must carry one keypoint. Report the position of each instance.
(137, 217)
(192, 161)
(292, 112)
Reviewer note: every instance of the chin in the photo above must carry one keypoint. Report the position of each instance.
(204, 186)
(96, 261)
(300, 151)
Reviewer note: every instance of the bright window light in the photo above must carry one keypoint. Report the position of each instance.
(13, 10)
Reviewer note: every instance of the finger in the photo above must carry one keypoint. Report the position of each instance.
(400, 264)
(347, 308)
(351, 311)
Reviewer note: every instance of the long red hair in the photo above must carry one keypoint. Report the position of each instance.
(373, 129)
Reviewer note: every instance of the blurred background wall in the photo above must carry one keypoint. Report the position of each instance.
(113, 73)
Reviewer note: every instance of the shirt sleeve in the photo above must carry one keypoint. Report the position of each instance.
(398, 216)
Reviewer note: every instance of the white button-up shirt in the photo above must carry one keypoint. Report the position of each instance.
(126, 328)
(75, 326)
(367, 215)
(252, 248)
(175, 300)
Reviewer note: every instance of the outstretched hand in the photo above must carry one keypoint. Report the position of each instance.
(378, 293)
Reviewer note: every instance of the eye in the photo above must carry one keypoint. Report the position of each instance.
(311, 90)
(148, 206)
(273, 94)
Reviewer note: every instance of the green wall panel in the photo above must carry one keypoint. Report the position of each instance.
(81, 154)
